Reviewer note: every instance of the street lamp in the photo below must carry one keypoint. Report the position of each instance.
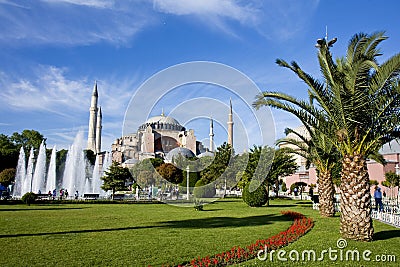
(321, 42)
(397, 173)
(224, 187)
(187, 182)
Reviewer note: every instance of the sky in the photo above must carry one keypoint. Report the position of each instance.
(143, 55)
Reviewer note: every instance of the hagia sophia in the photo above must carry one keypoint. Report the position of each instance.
(158, 137)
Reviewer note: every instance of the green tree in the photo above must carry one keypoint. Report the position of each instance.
(391, 180)
(115, 178)
(8, 153)
(10, 146)
(27, 139)
(222, 159)
(145, 174)
(7, 176)
(373, 182)
(356, 108)
(170, 173)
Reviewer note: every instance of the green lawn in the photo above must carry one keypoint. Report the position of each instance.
(143, 234)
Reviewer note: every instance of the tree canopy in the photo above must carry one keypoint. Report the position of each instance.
(115, 178)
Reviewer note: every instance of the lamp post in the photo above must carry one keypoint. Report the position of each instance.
(224, 187)
(397, 173)
(187, 182)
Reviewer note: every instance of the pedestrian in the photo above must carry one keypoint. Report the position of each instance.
(295, 191)
(378, 199)
(61, 193)
(66, 194)
(311, 193)
(76, 194)
(54, 194)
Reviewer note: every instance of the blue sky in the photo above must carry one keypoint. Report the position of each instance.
(52, 51)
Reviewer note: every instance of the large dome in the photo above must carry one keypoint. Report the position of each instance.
(162, 119)
(162, 123)
(187, 153)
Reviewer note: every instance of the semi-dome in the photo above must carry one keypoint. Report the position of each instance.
(187, 153)
(206, 154)
(131, 161)
(162, 122)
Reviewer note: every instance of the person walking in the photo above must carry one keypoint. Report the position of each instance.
(378, 199)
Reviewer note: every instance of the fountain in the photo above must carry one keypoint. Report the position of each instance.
(78, 175)
(27, 184)
(21, 174)
(51, 173)
(40, 171)
(96, 177)
(75, 167)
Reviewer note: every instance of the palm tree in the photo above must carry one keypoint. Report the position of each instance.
(320, 152)
(316, 148)
(359, 112)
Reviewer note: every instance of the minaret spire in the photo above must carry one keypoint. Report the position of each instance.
(99, 127)
(211, 135)
(92, 120)
(230, 124)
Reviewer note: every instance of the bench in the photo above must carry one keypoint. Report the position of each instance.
(43, 196)
(118, 196)
(91, 196)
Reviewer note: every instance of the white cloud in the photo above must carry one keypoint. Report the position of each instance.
(214, 13)
(220, 8)
(49, 90)
(278, 20)
(73, 22)
(91, 3)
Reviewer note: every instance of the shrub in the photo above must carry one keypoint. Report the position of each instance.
(28, 198)
(203, 190)
(256, 198)
(198, 205)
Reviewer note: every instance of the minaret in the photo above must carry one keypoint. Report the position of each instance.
(230, 125)
(92, 120)
(98, 130)
(211, 135)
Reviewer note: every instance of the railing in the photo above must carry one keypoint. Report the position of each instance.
(389, 218)
(390, 213)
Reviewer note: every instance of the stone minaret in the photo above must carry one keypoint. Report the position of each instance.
(92, 120)
(98, 130)
(211, 135)
(230, 125)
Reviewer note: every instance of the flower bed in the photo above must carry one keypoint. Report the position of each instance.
(237, 254)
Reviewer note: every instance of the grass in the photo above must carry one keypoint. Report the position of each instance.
(143, 234)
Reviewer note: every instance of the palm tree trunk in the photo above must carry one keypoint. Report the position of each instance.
(326, 193)
(355, 219)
